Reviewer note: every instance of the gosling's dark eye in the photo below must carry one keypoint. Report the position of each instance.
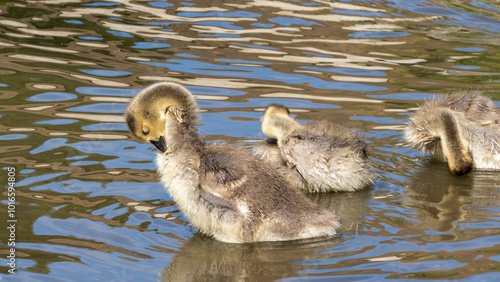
(145, 130)
(146, 114)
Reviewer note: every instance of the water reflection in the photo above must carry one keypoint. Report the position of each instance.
(203, 259)
(440, 200)
(446, 204)
(352, 207)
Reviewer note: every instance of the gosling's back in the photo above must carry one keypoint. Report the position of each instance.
(328, 157)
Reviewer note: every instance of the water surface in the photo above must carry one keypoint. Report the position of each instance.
(88, 202)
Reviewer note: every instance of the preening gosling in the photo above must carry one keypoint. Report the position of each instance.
(317, 157)
(223, 190)
(462, 130)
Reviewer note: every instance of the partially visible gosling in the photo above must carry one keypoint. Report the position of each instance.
(317, 157)
(462, 130)
(223, 191)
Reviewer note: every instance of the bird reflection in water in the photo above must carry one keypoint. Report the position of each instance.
(205, 259)
(445, 203)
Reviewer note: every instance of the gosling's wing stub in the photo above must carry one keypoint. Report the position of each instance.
(221, 175)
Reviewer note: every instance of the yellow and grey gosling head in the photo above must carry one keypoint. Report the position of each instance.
(150, 110)
(277, 122)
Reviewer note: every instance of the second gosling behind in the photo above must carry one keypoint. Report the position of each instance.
(317, 157)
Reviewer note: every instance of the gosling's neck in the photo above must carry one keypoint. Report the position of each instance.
(455, 146)
(279, 126)
(182, 137)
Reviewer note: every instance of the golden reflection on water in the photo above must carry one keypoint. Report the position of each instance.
(219, 82)
(314, 97)
(363, 64)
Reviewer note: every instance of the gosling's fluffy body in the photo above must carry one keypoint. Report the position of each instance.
(462, 130)
(224, 191)
(317, 157)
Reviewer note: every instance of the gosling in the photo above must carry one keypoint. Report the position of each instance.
(316, 157)
(223, 191)
(462, 130)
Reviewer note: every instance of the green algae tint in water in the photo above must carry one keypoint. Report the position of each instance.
(88, 205)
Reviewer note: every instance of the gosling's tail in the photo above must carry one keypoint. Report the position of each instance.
(455, 146)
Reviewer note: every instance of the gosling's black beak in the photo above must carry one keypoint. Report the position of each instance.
(160, 144)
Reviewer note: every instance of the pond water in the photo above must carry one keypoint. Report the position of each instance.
(88, 205)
